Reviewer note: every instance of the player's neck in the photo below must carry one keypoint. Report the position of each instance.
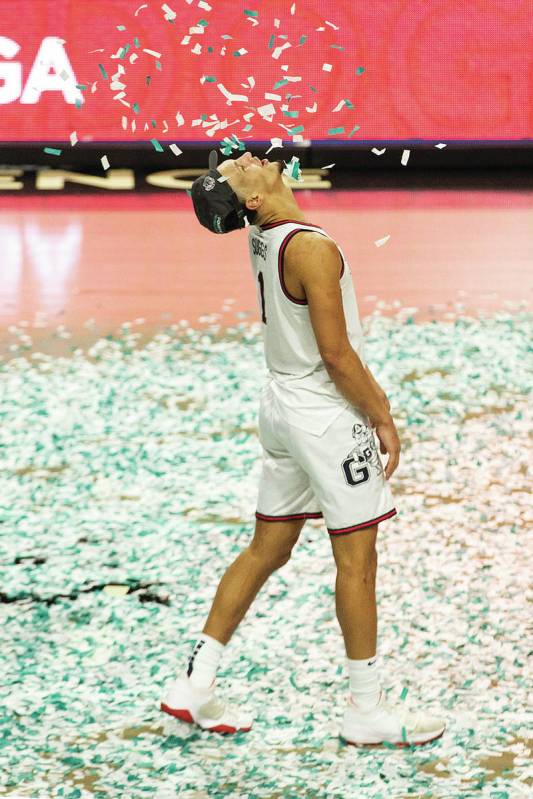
(286, 210)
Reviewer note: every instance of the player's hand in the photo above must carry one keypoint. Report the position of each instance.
(389, 442)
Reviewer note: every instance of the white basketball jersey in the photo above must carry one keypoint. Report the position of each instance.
(296, 372)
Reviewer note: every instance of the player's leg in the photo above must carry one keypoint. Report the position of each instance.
(269, 550)
(355, 590)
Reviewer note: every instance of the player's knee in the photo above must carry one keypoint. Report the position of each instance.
(270, 559)
(356, 562)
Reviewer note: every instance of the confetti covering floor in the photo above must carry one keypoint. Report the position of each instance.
(128, 483)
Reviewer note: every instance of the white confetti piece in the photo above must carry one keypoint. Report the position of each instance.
(293, 8)
(124, 123)
(105, 162)
(169, 13)
(273, 96)
(116, 590)
(378, 152)
(311, 109)
(274, 143)
(152, 52)
(144, 5)
(335, 27)
(241, 51)
(440, 145)
(381, 242)
(133, 58)
(197, 49)
(329, 166)
(266, 110)
(405, 157)
(73, 138)
(276, 23)
(179, 119)
(133, 126)
(279, 49)
(222, 178)
(327, 67)
(165, 126)
(185, 40)
(240, 98)
(204, 5)
(175, 149)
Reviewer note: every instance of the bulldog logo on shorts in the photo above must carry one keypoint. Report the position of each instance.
(208, 182)
(363, 459)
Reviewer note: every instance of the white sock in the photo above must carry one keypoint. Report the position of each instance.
(204, 661)
(364, 682)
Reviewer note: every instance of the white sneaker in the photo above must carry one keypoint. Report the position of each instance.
(396, 725)
(186, 702)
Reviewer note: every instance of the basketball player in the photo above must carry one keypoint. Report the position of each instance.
(319, 409)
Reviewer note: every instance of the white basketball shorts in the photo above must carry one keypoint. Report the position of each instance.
(337, 476)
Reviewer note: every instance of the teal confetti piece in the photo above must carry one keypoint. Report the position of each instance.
(209, 49)
(359, 70)
(349, 104)
(204, 23)
(247, 127)
(136, 42)
(404, 735)
(124, 50)
(203, 117)
(291, 113)
(52, 151)
(302, 40)
(82, 87)
(353, 131)
(136, 108)
(188, 192)
(312, 88)
(121, 27)
(157, 146)
(102, 70)
(271, 42)
(236, 53)
(226, 36)
(404, 694)
(335, 131)
(153, 123)
(297, 129)
(210, 79)
(77, 103)
(280, 83)
(158, 65)
(337, 46)
(251, 13)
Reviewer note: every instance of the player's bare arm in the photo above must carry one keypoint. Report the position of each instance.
(315, 261)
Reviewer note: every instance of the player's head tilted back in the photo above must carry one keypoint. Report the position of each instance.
(253, 188)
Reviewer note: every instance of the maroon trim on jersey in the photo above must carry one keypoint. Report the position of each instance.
(270, 225)
(281, 252)
(344, 530)
(266, 518)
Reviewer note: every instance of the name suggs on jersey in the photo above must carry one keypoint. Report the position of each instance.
(259, 248)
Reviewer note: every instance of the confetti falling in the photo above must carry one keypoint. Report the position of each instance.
(112, 528)
(381, 242)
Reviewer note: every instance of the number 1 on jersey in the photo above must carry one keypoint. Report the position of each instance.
(262, 287)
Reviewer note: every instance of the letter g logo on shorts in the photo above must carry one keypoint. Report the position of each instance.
(208, 182)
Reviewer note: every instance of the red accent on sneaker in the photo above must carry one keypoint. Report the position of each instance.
(182, 714)
(401, 744)
(226, 728)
